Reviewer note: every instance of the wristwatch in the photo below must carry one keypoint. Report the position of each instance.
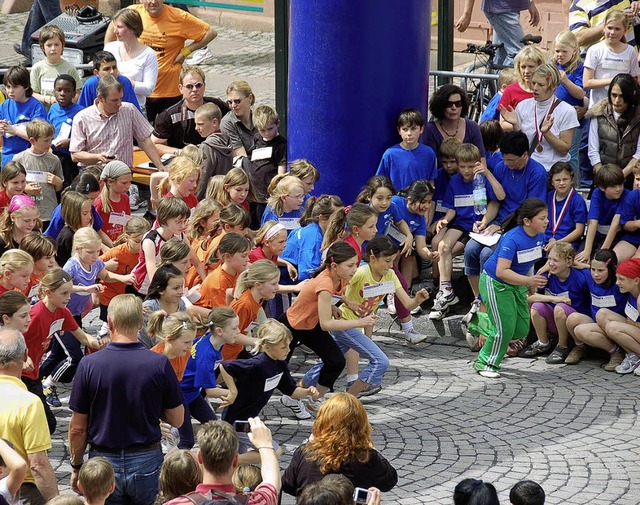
(76, 467)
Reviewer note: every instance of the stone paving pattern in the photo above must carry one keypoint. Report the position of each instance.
(573, 429)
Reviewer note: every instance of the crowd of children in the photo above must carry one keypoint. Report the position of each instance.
(239, 254)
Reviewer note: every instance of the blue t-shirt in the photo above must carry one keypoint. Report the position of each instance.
(403, 166)
(81, 277)
(575, 213)
(200, 372)
(522, 249)
(392, 215)
(303, 250)
(630, 211)
(416, 222)
(18, 113)
(441, 184)
(631, 308)
(491, 111)
(290, 220)
(90, 92)
(493, 158)
(57, 223)
(574, 287)
(459, 197)
(576, 78)
(603, 210)
(58, 116)
(530, 182)
(605, 298)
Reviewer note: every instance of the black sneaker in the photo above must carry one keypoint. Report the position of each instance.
(51, 395)
(558, 355)
(535, 349)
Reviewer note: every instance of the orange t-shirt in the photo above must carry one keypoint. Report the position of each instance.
(303, 314)
(193, 277)
(247, 309)
(126, 263)
(178, 364)
(166, 35)
(34, 283)
(213, 292)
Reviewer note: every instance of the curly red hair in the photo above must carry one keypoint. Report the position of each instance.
(341, 433)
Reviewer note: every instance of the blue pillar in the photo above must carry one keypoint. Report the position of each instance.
(353, 66)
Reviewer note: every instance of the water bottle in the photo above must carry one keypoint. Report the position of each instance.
(479, 195)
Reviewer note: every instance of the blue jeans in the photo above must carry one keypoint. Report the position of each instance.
(508, 31)
(475, 254)
(137, 475)
(41, 13)
(358, 341)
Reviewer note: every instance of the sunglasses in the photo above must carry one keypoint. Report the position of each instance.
(457, 104)
(235, 101)
(197, 85)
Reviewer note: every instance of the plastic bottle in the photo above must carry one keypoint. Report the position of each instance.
(479, 195)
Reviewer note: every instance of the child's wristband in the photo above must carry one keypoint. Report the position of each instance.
(265, 447)
(185, 51)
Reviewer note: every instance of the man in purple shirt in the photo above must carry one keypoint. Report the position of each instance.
(504, 17)
(118, 397)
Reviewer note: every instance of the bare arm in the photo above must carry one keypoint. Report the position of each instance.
(43, 474)
(328, 323)
(16, 465)
(463, 22)
(588, 36)
(208, 37)
(590, 82)
(611, 234)
(150, 149)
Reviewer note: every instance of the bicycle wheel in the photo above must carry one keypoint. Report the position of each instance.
(470, 84)
(479, 100)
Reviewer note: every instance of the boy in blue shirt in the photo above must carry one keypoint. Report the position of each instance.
(603, 218)
(61, 116)
(104, 63)
(409, 160)
(444, 174)
(459, 220)
(505, 77)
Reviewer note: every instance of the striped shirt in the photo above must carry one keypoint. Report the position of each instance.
(589, 13)
(93, 132)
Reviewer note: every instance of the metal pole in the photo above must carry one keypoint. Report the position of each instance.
(445, 38)
(282, 60)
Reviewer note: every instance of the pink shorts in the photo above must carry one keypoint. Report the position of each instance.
(546, 311)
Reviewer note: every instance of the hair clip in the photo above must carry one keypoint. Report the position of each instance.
(184, 325)
(87, 188)
(347, 209)
(548, 76)
(607, 262)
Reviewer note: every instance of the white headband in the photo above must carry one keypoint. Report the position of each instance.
(275, 229)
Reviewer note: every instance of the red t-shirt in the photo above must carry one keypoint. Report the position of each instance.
(43, 326)
(258, 254)
(513, 95)
(352, 242)
(112, 230)
(190, 200)
(4, 200)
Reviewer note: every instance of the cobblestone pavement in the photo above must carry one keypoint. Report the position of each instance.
(573, 429)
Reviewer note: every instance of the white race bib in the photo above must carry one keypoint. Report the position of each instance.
(440, 208)
(603, 301)
(118, 218)
(530, 254)
(463, 201)
(631, 312)
(271, 383)
(56, 326)
(33, 291)
(564, 294)
(603, 228)
(382, 288)
(290, 223)
(263, 153)
(252, 326)
(335, 299)
(39, 177)
(395, 234)
(615, 64)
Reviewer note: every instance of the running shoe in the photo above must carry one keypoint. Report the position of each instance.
(370, 390)
(558, 356)
(51, 395)
(576, 354)
(414, 337)
(616, 359)
(489, 374)
(629, 364)
(297, 406)
(535, 349)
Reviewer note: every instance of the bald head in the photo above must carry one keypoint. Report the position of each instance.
(13, 350)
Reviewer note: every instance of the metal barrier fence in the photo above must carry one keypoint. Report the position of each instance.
(468, 81)
(86, 66)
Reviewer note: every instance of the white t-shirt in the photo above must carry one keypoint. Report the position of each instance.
(4, 492)
(605, 63)
(564, 117)
(143, 69)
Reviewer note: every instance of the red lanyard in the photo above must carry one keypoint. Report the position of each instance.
(555, 222)
(539, 133)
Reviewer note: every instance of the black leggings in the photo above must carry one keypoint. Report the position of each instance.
(322, 343)
(35, 387)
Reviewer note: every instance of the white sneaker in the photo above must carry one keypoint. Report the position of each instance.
(200, 56)
(489, 374)
(297, 406)
(414, 337)
(391, 305)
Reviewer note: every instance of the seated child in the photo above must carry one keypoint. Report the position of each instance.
(44, 72)
(104, 63)
(491, 132)
(630, 220)
(505, 77)
(604, 211)
(453, 230)
(449, 167)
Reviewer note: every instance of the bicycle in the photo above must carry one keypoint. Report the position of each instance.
(481, 90)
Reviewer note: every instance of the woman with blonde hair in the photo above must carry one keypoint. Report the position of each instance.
(527, 60)
(340, 442)
(238, 122)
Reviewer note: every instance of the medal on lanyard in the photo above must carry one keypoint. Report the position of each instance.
(555, 221)
(539, 133)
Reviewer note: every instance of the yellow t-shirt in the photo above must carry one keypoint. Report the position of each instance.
(22, 419)
(366, 299)
(166, 35)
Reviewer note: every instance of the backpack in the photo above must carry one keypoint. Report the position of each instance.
(221, 498)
